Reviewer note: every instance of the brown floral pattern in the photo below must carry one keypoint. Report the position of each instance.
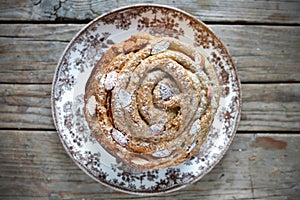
(81, 56)
(166, 26)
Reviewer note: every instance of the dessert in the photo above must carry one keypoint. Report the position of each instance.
(151, 100)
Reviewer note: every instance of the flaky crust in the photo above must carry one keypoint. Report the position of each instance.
(150, 101)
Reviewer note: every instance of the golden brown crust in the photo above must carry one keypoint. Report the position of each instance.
(150, 101)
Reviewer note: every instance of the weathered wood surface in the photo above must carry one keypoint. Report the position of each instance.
(264, 40)
(29, 52)
(34, 165)
(264, 11)
(25, 106)
(266, 107)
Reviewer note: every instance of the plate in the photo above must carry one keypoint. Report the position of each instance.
(82, 55)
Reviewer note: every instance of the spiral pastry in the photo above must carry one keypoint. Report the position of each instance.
(150, 101)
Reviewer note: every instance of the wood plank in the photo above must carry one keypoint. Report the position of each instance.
(29, 52)
(34, 165)
(270, 107)
(266, 107)
(210, 10)
(25, 106)
(263, 53)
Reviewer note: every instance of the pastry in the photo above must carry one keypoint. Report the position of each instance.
(151, 100)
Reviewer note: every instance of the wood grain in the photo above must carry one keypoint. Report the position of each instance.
(25, 106)
(29, 52)
(34, 165)
(263, 160)
(270, 107)
(266, 107)
(285, 12)
(263, 53)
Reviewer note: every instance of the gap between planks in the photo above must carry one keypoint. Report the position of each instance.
(85, 22)
(263, 11)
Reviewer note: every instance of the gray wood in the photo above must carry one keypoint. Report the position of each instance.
(34, 165)
(266, 107)
(270, 107)
(29, 52)
(264, 40)
(263, 53)
(286, 12)
(25, 106)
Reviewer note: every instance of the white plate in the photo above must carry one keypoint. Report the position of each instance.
(74, 69)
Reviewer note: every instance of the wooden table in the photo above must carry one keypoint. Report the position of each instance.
(262, 163)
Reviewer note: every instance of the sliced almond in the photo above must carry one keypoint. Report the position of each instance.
(119, 137)
(160, 47)
(111, 80)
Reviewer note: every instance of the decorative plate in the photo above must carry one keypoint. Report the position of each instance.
(82, 55)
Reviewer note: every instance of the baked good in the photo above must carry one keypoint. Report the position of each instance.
(151, 100)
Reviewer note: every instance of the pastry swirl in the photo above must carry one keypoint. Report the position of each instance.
(150, 101)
